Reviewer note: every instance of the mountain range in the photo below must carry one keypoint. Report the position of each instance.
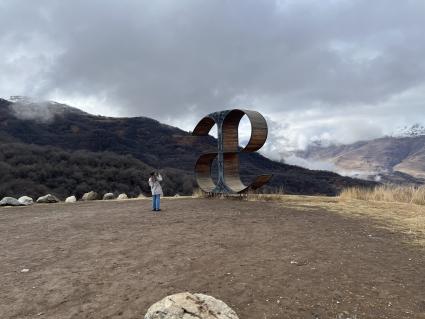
(396, 159)
(51, 147)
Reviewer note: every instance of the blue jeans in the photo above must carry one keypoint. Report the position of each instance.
(155, 202)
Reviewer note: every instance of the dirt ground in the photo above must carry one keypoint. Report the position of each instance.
(264, 259)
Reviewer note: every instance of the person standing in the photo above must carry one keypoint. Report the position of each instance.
(156, 189)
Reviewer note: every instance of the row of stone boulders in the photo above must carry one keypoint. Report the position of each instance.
(122, 196)
(49, 198)
(10, 201)
(26, 200)
(90, 196)
(71, 199)
(94, 196)
(108, 196)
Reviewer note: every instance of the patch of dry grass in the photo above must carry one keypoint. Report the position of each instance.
(198, 193)
(387, 193)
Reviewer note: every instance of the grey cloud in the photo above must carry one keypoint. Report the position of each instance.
(39, 111)
(345, 62)
(315, 165)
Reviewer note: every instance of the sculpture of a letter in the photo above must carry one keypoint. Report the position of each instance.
(227, 155)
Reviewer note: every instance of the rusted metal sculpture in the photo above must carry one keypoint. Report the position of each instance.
(227, 155)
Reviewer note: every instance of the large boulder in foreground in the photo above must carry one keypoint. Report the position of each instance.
(26, 200)
(9, 201)
(186, 306)
(47, 199)
(108, 196)
(71, 199)
(90, 196)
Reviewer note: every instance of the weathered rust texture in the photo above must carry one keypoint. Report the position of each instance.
(229, 180)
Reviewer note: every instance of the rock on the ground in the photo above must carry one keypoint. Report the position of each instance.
(49, 198)
(9, 201)
(141, 196)
(186, 305)
(90, 196)
(108, 196)
(71, 199)
(122, 196)
(26, 200)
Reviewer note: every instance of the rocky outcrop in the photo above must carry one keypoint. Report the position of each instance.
(122, 196)
(47, 199)
(26, 200)
(71, 199)
(90, 196)
(108, 196)
(9, 201)
(186, 305)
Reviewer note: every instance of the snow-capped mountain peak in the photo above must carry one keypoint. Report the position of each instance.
(410, 131)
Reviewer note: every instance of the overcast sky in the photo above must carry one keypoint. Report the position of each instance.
(331, 70)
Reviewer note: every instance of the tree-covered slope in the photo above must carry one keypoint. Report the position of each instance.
(37, 170)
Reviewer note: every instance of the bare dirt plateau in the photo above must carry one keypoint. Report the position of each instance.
(113, 259)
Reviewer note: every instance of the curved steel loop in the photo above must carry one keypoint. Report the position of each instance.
(203, 172)
(204, 126)
(231, 126)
